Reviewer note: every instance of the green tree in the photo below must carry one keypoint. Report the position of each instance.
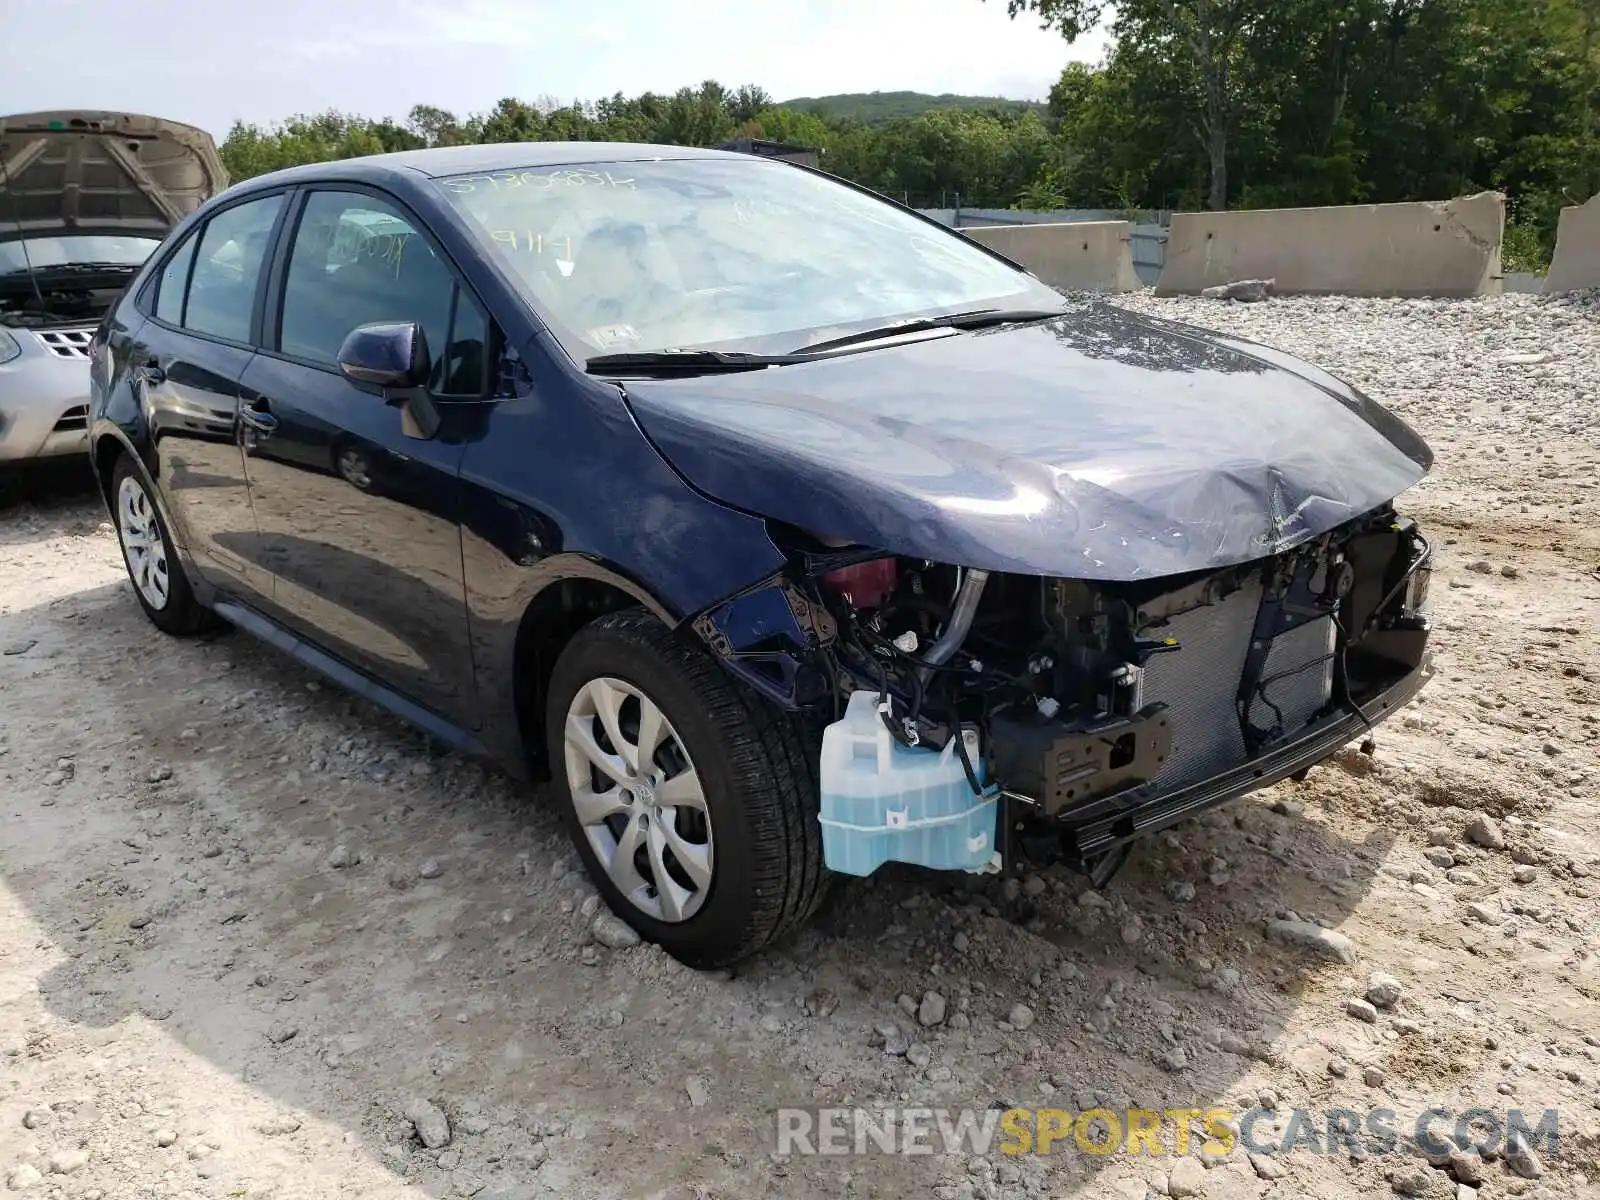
(1201, 37)
(249, 150)
(438, 126)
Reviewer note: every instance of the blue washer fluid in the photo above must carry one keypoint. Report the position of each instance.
(882, 801)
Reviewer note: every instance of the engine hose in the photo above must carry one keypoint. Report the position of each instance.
(961, 614)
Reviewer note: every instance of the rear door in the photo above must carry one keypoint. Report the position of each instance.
(359, 520)
(187, 362)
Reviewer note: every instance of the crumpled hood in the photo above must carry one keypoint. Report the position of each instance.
(1101, 445)
(103, 173)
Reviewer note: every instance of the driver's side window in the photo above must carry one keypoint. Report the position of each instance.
(357, 260)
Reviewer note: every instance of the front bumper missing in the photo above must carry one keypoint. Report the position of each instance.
(1104, 828)
(1060, 770)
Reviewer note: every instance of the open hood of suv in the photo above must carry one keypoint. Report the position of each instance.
(102, 173)
(1099, 445)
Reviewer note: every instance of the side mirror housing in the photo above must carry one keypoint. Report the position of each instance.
(384, 356)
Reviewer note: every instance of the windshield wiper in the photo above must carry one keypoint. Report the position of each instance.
(707, 362)
(978, 318)
(686, 362)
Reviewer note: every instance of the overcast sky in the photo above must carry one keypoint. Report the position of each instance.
(260, 60)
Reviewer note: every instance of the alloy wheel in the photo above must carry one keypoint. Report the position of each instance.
(142, 544)
(639, 799)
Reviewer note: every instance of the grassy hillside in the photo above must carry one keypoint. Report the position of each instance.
(874, 108)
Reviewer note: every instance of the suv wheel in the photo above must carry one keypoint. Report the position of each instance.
(692, 801)
(158, 579)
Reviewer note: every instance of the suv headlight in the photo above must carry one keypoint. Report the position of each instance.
(8, 347)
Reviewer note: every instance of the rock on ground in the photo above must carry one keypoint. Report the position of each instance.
(1267, 1166)
(23, 1177)
(1383, 990)
(433, 1128)
(1485, 831)
(1186, 1178)
(612, 931)
(1248, 291)
(1521, 1158)
(1328, 943)
(699, 1091)
(1361, 1011)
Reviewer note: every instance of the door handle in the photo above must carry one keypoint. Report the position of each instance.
(150, 372)
(258, 417)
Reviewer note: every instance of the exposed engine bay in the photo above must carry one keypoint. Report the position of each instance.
(1106, 710)
(56, 303)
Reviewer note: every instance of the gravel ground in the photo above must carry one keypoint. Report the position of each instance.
(256, 939)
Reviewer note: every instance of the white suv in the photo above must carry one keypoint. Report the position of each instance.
(84, 199)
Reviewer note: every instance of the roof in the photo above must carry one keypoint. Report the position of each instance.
(441, 161)
(509, 156)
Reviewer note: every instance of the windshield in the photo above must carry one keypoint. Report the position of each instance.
(101, 249)
(725, 253)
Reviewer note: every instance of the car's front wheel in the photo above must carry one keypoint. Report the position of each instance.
(158, 580)
(692, 801)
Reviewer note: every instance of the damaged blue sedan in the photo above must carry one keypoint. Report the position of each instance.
(787, 532)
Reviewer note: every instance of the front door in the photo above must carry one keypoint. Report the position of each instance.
(359, 521)
(188, 362)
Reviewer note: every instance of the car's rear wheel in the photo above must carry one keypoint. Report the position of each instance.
(692, 801)
(158, 580)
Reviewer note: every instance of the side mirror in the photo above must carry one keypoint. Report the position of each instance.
(391, 359)
(386, 355)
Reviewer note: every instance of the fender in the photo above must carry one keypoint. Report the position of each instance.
(570, 566)
(771, 636)
(522, 609)
(768, 635)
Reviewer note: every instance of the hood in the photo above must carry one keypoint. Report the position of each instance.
(102, 173)
(1100, 445)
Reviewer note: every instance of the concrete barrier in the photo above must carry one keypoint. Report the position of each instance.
(1436, 248)
(1082, 256)
(1577, 261)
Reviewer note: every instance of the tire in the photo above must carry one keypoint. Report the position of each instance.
(148, 555)
(757, 772)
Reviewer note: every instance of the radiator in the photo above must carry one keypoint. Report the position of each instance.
(1199, 683)
(1298, 677)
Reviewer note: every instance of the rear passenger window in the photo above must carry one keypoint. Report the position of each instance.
(174, 280)
(222, 289)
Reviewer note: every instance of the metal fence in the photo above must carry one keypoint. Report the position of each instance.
(1149, 227)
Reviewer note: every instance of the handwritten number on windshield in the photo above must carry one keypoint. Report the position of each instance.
(571, 177)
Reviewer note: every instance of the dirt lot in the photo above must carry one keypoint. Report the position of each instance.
(254, 934)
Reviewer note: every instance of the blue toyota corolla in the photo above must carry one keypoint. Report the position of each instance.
(789, 532)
